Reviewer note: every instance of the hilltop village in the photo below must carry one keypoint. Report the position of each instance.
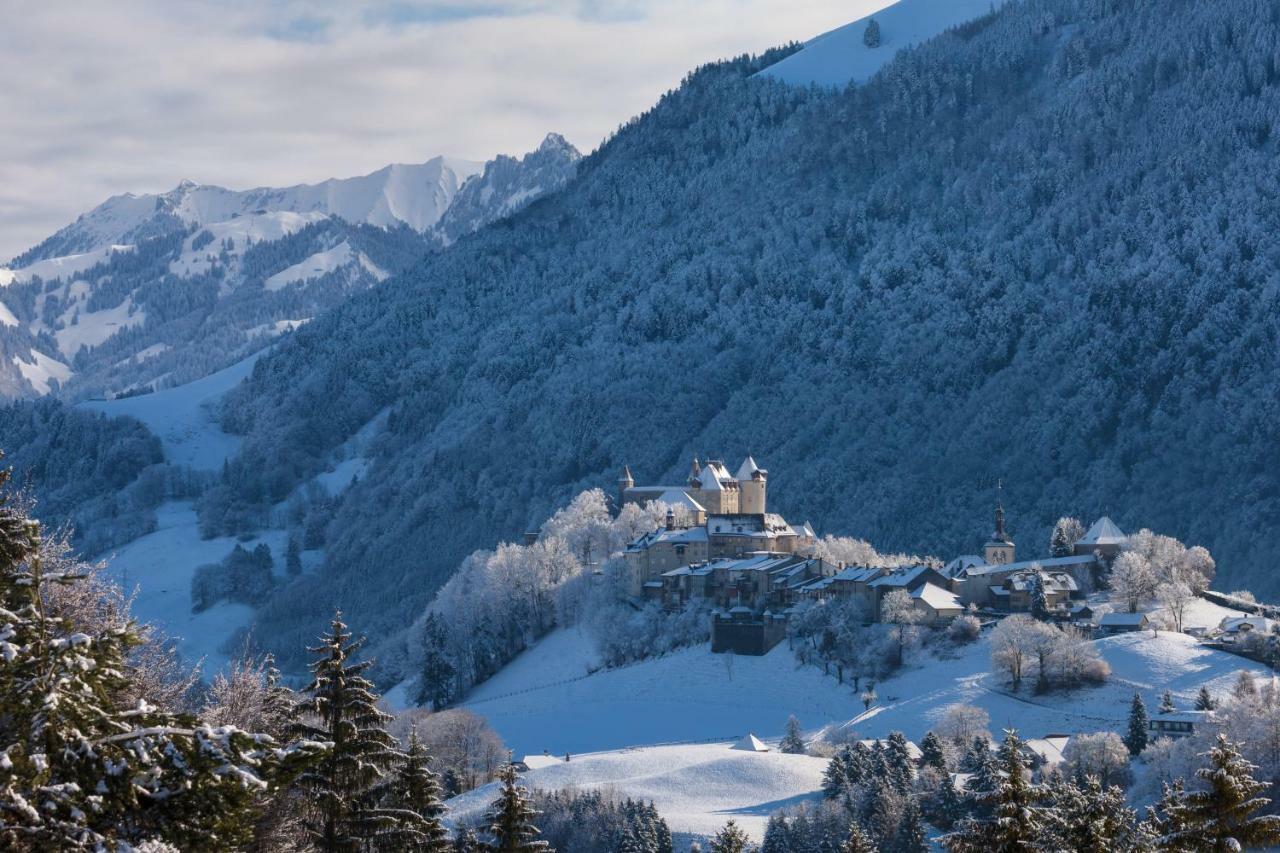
(720, 543)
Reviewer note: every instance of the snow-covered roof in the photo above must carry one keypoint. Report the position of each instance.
(1182, 716)
(1122, 619)
(679, 497)
(750, 743)
(858, 574)
(679, 536)
(1021, 581)
(959, 564)
(937, 598)
(709, 480)
(749, 467)
(1103, 532)
(1050, 747)
(901, 578)
(1236, 624)
(1045, 563)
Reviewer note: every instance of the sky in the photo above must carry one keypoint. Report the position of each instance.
(136, 95)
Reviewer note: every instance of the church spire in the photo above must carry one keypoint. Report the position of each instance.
(1000, 534)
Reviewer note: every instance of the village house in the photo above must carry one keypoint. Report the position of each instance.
(1103, 540)
(759, 581)
(910, 578)
(1176, 724)
(1015, 594)
(937, 605)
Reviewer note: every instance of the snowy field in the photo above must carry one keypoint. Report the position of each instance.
(182, 418)
(697, 789)
(544, 700)
(157, 569)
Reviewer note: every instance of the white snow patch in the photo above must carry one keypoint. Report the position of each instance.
(66, 266)
(321, 263)
(182, 419)
(339, 478)
(6, 316)
(696, 789)
(840, 57)
(279, 327)
(7, 276)
(241, 231)
(41, 370)
(159, 567)
(92, 328)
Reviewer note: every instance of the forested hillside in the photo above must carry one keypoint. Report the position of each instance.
(1038, 248)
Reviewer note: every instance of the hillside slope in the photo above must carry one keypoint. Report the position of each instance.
(1037, 247)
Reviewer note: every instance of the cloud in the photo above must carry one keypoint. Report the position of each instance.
(136, 95)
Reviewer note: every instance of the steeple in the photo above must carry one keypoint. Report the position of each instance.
(1001, 548)
(1000, 535)
(695, 474)
(625, 482)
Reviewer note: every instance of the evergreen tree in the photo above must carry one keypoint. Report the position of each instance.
(1220, 817)
(932, 753)
(341, 709)
(510, 819)
(777, 835)
(1166, 703)
(436, 678)
(1204, 700)
(730, 839)
(414, 798)
(1087, 818)
(835, 779)
(81, 768)
(1016, 821)
(902, 771)
(911, 837)
(882, 811)
(858, 841)
(1136, 736)
(293, 558)
(948, 806)
(1039, 601)
(792, 742)
(871, 36)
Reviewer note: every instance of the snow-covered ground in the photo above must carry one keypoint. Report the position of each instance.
(41, 369)
(182, 419)
(545, 700)
(839, 57)
(696, 789)
(157, 570)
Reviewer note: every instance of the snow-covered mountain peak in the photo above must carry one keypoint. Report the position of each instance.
(843, 56)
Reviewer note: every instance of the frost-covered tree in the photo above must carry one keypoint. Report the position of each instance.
(1245, 687)
(902, 771)
(1087, 817)
(1102, 755)
(1012, 646)
(1175, 597)
(1066, 533)
(340, 708)
(1222, 816)
(1205, 700)
(1135, 737)
(436, 673)
(910, 836)
(510, 819)
(1166, 702)
(1132, 579)
(898, 609)
(1039, 601)
(962, 724)
(792, 741)
(932, 752)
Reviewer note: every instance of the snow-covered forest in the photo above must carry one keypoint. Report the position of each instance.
(1036, 247)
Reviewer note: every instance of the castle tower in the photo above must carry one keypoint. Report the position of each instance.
(752, 482)
(1000, 549)
(695, 474)
(624, 482)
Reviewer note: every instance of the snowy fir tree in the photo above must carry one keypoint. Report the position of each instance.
(1016, 820)
(1066, 533)
(82, 768)
(947, 806)
(413, 800)
(1166, 703)
(1222, 816)
(1204, 700)
(466, 841)
(1085, 817)
(835, 779)
(792, 742)
(932, 753)
(293, 559)
(1136, 735)
(341, 709)
(911, 836)
(1039, 602)
(858, 841)
(902, 769)
(730, 839)
(871, 35)
(510, 818)
(436, 677)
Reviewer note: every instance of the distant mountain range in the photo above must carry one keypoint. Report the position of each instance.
(161, 289)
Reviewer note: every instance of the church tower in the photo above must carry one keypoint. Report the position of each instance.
(1000, 549)
(624, 482)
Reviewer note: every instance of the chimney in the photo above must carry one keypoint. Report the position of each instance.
(671, 519)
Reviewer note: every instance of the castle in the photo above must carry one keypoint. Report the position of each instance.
(710, 490)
